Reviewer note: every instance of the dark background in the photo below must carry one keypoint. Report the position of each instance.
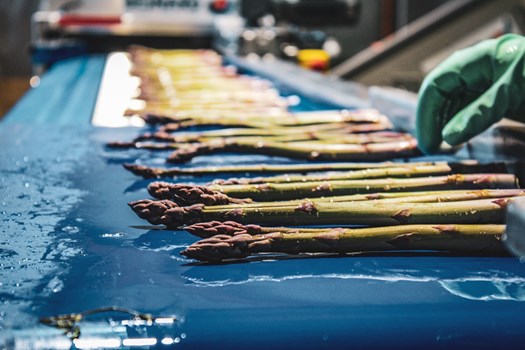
(379, 18)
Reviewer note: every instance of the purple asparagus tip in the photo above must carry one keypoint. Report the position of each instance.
(230, 228)
(219, 247)
(153, 211)
(190, 194)
(118, 144)
(143, 171)
(166, 212)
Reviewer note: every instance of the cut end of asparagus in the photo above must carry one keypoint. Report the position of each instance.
(191, 194)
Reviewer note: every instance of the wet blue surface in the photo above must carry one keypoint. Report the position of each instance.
(68, 242)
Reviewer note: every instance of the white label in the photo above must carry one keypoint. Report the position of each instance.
(144, 5)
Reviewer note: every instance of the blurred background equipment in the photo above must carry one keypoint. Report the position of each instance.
(413, 50)
(15, 61)
(391, 43)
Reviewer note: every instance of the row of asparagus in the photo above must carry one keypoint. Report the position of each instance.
(431, 209)
(335, 135)
(237, 241)
(178, 82)
(183, 89)
(397, 206)
(455, 212)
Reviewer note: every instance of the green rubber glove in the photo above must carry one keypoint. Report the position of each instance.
(471, 90)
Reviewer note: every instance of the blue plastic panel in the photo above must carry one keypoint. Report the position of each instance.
(69, 243)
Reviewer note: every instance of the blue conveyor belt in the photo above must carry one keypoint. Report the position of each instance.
(66, 94)
(69, 242)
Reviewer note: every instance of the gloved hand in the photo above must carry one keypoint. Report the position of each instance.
(470, 91)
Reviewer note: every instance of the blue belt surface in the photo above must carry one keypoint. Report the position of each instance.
(70, 243)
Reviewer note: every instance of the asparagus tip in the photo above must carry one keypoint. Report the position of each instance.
(141, 170)
(119, 144)
(218, 248)
(230, 228)
(166, 212)
(151, 210)
(190, 194)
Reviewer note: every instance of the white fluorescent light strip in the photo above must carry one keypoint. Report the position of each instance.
(116, 92)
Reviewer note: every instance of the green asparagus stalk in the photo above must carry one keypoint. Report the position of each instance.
(382, 198)
(149, 172)
(414, 171)
(189, 99)
(318, 132)
(182, 98)
(155, 146)
(220, 141)
(309, 118)
(297, 190)
(476, 238)
(302, 150)
(230, 132)
(168, 213)
(174, 142)
(343, 128)
(208, 229)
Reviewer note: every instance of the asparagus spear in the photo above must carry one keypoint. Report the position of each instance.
(308, 118)
(302, 150)
(205, 97)
(414, 171)
(286, 118)
(295, 190)
(377, 198)
(484, 239)
(149, 172)
(168, 213)
(282, 134)
(175, 142)
(155, 146)
(208, 229)
(171, 126)
(229, 132)
(233, 228)
(320, 132)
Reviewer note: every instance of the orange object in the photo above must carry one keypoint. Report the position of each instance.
(318, 60)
